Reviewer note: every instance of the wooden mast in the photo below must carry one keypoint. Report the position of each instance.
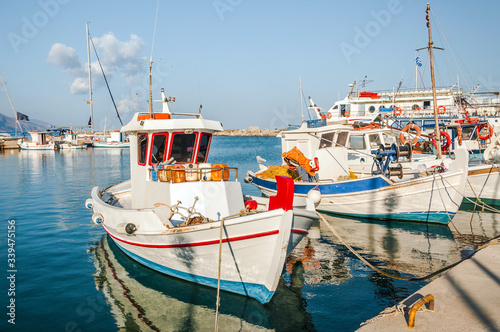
(434, 98)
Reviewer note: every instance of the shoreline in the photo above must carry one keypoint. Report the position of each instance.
(252, 131)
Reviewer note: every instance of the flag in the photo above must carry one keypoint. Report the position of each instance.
(21, 116)
(418, 61)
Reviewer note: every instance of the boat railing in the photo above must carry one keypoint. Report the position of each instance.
(178, 173)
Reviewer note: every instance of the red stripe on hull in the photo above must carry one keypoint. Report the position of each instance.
(194, 244)
(204, 243)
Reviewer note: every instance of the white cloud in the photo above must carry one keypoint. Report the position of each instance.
(65, 57)
(122, 59)
(79, 86)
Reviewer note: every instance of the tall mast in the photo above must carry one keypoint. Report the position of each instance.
(90, 81)
(300, 100)
(11, 105)
(434, 98)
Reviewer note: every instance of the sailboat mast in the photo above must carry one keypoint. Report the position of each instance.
(90, 82)
(11, 105)
(433, 79)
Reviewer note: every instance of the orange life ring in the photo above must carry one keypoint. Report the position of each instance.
(347, 114)
(405, 130)
(490, 131)
(397, 111)
(329, 115)
(441, 109)
(459, 134)
(447, 144)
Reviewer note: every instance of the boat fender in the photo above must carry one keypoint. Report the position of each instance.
(97, 218)
(89, 203)
(250, 205)
(314, 195)
(248, 179)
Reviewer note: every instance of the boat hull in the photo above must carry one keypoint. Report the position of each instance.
(254, 247)
(433, 199)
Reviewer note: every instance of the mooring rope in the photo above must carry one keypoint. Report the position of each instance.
(327, 224)
(242, 213)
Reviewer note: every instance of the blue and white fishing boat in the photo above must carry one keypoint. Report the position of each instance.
(184, 217)
(434, 195)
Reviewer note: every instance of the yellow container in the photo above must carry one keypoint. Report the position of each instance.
(220, 174)
(173, 174)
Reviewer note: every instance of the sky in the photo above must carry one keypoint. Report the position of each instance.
(240, 59)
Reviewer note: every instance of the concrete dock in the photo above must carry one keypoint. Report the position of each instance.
(466, 298)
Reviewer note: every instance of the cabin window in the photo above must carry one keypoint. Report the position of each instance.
(142, 148)
(326, 140)
(183, 147)
(335, 107)
(427, 104)
(342, 138)
(357, 143)
(469, 132)
(371, 109)
(414, 107)
(158, 148)
(375, 141)
(203, 149)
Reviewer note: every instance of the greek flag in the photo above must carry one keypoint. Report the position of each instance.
(418, 61)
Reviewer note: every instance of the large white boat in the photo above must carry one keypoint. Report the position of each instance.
(186, 218)
(39, 141)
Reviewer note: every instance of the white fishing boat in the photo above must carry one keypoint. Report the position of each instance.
(70, 141)
(177, 211)
(39, 141)
(115, 140)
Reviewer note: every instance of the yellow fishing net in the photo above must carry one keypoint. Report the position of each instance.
(279, 170)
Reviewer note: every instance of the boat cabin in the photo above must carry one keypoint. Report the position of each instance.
(168, 163)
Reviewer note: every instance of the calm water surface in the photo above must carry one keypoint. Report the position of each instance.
(71, 277)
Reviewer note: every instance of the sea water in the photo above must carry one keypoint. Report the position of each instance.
(60, 272)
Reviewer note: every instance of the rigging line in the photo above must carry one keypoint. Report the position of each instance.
(154, 31)
(106, 80)
(453, 55)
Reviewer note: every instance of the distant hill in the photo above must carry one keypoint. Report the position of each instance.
(8, 124)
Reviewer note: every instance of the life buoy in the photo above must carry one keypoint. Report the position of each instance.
(490, 131)
(405, 130)
(459, 134)
(447, 143)
(329, 115)
(397, 111)
(347, 114)
(441, 109)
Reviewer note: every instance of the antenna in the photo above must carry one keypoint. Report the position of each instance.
(151, 63)
(364, 82)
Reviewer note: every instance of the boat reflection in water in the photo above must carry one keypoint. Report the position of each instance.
(142, 299)
(410, 248)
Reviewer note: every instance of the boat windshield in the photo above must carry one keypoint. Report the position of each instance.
(203, 149)
(183, 146)
(158, 150)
